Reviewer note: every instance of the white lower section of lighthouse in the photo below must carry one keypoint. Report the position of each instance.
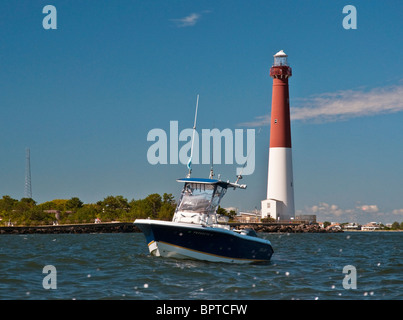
(280, 186)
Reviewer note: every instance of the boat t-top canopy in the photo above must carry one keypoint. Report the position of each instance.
(224, 184)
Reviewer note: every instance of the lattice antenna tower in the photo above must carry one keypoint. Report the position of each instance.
(28, 187)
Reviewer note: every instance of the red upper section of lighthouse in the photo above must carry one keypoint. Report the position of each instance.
(280, 127)
(280, 72)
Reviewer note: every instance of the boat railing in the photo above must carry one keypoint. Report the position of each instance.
(208, 220)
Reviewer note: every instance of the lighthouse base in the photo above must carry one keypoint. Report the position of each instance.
(275, 209)
(270, 209)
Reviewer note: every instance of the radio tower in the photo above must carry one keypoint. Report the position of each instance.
(28, 188)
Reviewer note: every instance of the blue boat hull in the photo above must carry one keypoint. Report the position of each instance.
(204, 243)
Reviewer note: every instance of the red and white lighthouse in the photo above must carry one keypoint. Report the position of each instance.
(280, 187)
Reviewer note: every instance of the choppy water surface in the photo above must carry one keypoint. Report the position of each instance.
(118, 266)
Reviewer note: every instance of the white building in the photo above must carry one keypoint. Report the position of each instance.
(372, 226)
(248, 217)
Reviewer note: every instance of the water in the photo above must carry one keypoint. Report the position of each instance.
(118, 266)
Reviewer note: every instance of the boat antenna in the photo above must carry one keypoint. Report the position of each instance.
(189, 165)
(211, 169)
(212, 161)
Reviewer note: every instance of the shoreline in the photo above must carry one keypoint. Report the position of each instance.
(127, 227)
(373, 230)
(108, 227)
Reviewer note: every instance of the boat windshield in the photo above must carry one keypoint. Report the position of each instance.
(201, 197)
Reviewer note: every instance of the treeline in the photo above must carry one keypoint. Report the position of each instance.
(395, 226)
(26, 212)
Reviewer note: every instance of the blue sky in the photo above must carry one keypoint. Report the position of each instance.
(84, 96)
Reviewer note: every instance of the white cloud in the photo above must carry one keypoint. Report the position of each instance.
(324, 208)
(368, 208)
(187, 21)
(360, 213)
(342, 105)
(398, 212)
(258, 122)
(350, 104)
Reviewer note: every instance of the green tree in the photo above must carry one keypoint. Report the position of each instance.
(268, 220)
(114, 203)
(153, 204)
(86, 214)
(137, 209)
(7, 203)
(29, 202)
(74, 204)
(48, 205)
(25, 204)
(166, 212)
(113, 207)
(230, 214)
(35, 216)
(168, 198)
(222, 211)
(168, 207)
(55, 204)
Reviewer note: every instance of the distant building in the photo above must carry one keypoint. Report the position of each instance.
(248, 217)
(231, 209)
(222, 219)
(307, 218)
(334, 226)
(55, 212)
(351, 226)
(370, 226)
